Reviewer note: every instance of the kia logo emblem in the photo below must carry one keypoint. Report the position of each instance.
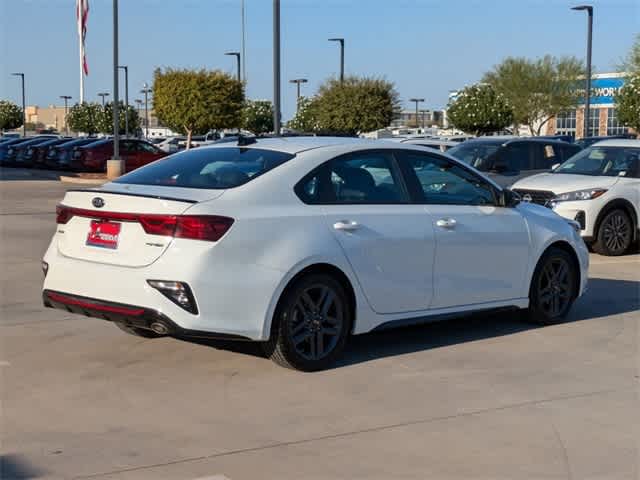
(527, 198)
(98, 202)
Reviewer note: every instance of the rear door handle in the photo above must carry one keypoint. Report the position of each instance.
(447, 223)
(346, 225)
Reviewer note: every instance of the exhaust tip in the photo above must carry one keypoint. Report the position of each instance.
(159, 328)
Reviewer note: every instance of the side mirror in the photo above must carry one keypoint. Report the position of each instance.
(555, 166)
(508, 198)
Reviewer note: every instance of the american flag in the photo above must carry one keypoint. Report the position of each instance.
(82, 14)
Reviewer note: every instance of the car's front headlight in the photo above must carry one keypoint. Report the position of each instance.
(579, 195)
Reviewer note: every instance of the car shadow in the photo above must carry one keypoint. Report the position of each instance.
(604, 297)
(10, 174)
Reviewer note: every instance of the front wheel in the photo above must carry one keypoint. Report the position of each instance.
(553, 287)
(615, 234)
(311, 324)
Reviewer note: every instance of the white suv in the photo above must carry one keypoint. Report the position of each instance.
(599, 188)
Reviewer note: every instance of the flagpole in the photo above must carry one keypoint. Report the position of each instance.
(81, 73)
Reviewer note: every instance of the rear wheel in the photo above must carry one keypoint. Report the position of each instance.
(311, 324)
(553, 287)
(138, 332)
(615, 234)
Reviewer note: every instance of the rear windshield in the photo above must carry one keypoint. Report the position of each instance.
(215, 168)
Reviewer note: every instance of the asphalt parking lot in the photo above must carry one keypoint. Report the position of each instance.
(485, 398)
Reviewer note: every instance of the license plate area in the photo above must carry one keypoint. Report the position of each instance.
(104, 234)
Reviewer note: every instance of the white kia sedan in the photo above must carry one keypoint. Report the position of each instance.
(599, 187)
(301, 242)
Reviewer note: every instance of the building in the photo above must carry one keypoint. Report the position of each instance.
(426, 118)
(51, 117)
(602, 111)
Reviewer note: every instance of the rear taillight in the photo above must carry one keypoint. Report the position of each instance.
(194, 227)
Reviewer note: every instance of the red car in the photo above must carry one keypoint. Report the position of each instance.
(135, 153)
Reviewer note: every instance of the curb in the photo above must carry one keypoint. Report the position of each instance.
(86, 181)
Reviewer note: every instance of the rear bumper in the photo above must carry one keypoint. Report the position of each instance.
(131, 315)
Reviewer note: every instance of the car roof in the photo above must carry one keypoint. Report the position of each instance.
(431, 141)
(294, 145)
(618, 142)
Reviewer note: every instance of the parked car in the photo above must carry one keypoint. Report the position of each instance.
(588, 141)
(58, 157)
(93, 156)
(8, 148)
(171, 144)
(17, 155)
(301, 242)
(508, 159)
(600, 189)
(434, 143)
(36, 154)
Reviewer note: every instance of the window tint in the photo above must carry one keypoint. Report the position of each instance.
(546, 156)
(608, 161)
(478, 154)
(445, 183)
(514, 158)
(214, 168)
(360, 178)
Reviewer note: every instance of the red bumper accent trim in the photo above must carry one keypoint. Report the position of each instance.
(56, 297)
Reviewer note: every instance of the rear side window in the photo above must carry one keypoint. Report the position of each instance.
(213, 168)
(515, 157)
(368, 177)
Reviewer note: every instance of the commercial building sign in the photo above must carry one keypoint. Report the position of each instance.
(604, 88)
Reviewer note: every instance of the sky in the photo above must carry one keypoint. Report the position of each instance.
(426, 47)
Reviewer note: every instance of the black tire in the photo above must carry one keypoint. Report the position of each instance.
(138, 332)
(311, 324)
(554, 287)
(615, 234)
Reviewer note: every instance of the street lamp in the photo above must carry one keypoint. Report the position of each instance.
(237, 55)
(587, 101)
(276, 68)
(126, 99)
(146, 90)
(24, 111)
(424, 112)
(298, 81)
(417, 101)
(103, 95)
(341, 40)
(66, 98)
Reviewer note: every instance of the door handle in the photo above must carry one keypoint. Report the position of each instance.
(448, 223)
(346, 225)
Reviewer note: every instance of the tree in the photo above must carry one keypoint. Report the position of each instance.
(10, 115)
(196, 101)
(257, 116)
(306, 118)
(479, 109)
(105, 119)
(628, 102)
(538, 90)
(84, 117)
(355, 105)
(631, 62)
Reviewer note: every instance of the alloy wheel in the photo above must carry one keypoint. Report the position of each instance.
(616, 233)
(316, 322)
(555, 287)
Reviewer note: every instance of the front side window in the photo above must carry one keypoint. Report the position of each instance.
(445, 183)
(214, 168)
(608, 161)
(359, 178)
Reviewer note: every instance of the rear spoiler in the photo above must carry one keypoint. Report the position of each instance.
(158, 197)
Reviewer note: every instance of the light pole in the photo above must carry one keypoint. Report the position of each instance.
(115, 166)
(587, 100)
(103, 95)
(341, 41)
(237, 55)
(276, 67)
(126, 99)
(423, 112)
(24, 111)
(66, 98)
(298, 81)
(417, 101)
(146, 90)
